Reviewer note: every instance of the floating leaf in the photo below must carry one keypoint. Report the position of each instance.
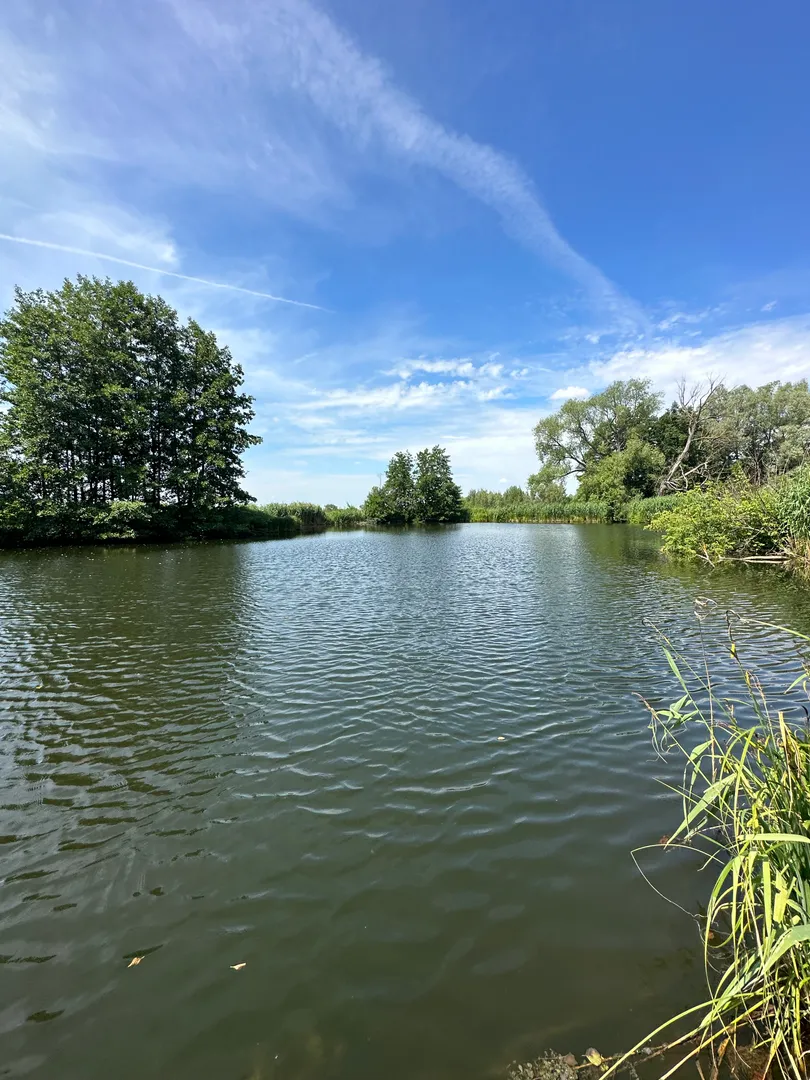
(594, 1057)
(501, 738)
(134, 961)
(238, 967)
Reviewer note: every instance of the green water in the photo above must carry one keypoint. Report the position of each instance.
(398, 775)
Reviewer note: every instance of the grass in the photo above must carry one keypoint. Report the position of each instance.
(530, 512)
(746, 811)
(642, 511)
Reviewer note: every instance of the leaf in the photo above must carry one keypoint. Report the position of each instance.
(593, 1056)
(134, 961)
(238, 967)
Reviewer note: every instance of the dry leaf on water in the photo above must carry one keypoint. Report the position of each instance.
(594, 1057)
(134, 961)
(238, 967)
(501, 738)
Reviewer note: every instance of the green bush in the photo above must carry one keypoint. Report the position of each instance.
(718, 522)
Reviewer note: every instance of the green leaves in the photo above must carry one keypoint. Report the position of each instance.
(113, 403)
(421, 490)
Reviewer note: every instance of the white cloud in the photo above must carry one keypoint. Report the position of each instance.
(754, 354)
(770, 305)
(567, 392)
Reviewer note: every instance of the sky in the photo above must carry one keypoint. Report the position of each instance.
(422, 221)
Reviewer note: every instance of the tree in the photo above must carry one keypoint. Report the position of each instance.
(764, 432)
(392, 503)
(582, 433)
(111, 399)
(679, 433)
(437, 496)
(546, 485)
(631, 473)
(423, 491)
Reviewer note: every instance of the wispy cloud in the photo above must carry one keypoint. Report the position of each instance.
(29, 242)
(295, 45)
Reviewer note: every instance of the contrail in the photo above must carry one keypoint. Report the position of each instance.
(155, 270)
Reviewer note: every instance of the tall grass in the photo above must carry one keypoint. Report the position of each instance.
(308, 516)
(746, 810)
(642, 511)
(532, 512)
(344, 517)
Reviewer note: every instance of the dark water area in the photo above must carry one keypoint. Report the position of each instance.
(397, 775)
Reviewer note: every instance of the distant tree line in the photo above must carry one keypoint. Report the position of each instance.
(622, 444)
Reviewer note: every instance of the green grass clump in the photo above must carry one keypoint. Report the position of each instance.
(746, 812)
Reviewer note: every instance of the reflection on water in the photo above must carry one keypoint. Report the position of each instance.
(398, 775)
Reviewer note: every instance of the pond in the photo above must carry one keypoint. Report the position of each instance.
(397, 775)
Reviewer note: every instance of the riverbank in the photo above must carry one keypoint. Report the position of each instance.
(136, 522)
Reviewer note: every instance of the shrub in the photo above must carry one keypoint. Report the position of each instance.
(721, 522)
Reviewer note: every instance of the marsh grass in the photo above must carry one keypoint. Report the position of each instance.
(746, 811)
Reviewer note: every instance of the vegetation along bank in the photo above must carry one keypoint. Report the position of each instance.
(123, 423)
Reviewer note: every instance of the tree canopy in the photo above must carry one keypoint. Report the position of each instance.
(621, 445)
(110, 397)
(416, 490)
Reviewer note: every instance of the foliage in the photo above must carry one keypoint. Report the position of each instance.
(114, 410)
(642, 511)
(416, 491)
(722, 521)
(582, 433)
(532, 511)
(746, 807)
(631, 473)
(621, 447)
(762, 432)
(794, 503)
(547, 484)
(437, 497)
(308, 516)
(122, 520)
(344, 517)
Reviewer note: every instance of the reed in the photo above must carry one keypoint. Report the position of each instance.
(746, 810)
(530, 512)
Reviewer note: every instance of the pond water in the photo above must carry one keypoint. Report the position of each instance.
(398, 775)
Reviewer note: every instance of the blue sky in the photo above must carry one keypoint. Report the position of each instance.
(466, 210)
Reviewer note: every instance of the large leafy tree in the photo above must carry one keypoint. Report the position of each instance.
(110, 398)
(582, 433)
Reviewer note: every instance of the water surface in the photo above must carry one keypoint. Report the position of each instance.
(398, 775)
